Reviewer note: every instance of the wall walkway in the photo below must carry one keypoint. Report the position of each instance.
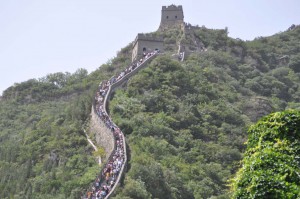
(109, 135)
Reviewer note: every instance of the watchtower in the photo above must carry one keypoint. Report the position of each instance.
(146, 43)
(171, 15)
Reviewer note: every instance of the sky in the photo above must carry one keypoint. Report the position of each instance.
(39, 37)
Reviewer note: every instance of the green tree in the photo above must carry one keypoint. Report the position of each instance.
(271, 163)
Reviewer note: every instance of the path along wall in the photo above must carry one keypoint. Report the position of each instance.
(108, 134)
(103, 135)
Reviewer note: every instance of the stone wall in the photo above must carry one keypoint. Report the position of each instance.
(98, 129)
(102, 134)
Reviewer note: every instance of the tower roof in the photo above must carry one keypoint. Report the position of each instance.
(172, 7)
(145, 37)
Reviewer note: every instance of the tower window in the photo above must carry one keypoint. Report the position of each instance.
(144, 49)
(167, 17)
(175, 17)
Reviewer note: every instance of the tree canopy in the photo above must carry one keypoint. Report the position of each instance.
(271, 161)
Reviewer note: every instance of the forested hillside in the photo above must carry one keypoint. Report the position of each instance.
(43, 150)
(185, 122)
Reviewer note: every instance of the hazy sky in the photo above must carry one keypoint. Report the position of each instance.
(38, 37)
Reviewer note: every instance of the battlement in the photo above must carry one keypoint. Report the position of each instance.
(144, 37)
(172, 8)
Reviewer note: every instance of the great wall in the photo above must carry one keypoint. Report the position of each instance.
(106, 132)
(109, 135)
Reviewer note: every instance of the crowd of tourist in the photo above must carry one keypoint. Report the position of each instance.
(108, 177)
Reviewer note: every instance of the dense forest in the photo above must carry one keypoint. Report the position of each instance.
(185, 122)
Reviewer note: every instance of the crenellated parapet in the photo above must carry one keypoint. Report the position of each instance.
(147, 37)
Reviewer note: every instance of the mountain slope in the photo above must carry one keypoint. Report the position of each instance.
(185, 122)
(44, 152)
